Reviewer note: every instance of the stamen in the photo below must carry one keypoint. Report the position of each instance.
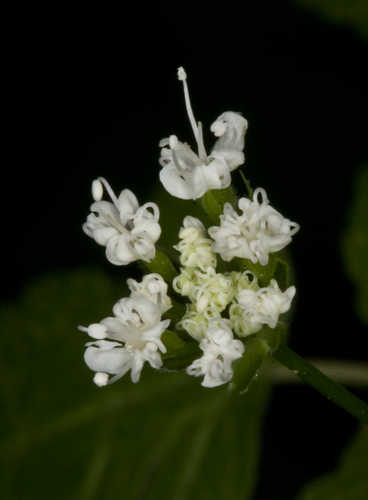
(97, 190)
(114, 222)
(182, 76)
(109, 190)
(201, 149)
(177, 162)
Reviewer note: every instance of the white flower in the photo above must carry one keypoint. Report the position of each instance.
(195, 323)
(257, 232)
(135, 337)
(128, 231)
(184, 283)
(187, 175)
(208, 291)
(195, 248)
(244, 280)
(154, 288)
(255, 308)
(219, 351)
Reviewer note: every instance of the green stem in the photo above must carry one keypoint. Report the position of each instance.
(350, 373)
(213, 202)
(332, 390)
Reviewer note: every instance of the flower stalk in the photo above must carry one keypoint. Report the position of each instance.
(213, 202)
(160, 264)
(312, 376)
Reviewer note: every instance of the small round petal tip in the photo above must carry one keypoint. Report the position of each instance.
(101, 379)
(182, 74)
(218, 128)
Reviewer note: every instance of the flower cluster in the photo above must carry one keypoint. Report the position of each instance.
(224, 300)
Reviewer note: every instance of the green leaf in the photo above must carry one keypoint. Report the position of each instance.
(349, 481)
(180, 354)
(64, 438)
(355, 243)
(246, 368)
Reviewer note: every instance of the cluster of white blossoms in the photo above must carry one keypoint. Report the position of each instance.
(224, 304)
(133, 333)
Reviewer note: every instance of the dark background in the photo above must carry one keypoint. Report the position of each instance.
(93, 91)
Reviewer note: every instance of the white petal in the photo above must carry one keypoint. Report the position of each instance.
(113, 327)
(137, 366)
(148, 227)
(114, 360)
(103, 234)
(230, 127)
(105, 208)
(144, 248)
(177, 184)
(154, 334)
(217, 174)
(128, 205)
(119, 250)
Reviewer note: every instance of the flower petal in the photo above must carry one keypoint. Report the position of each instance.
(128, 205)
(230, 127)
(119, 250)
(112, 360)
(178, 184)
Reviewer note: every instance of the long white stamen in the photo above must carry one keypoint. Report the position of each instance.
(114, 222)
(182, 76)
(110, 191)
(201, 149)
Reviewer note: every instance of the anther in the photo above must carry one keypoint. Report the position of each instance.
(97, 190)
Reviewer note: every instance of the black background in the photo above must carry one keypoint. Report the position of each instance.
(92, 91)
